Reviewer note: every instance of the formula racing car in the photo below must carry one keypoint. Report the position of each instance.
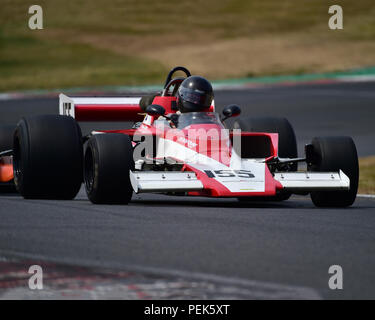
(178, 145)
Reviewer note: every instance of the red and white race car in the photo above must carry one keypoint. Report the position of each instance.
(175, 153)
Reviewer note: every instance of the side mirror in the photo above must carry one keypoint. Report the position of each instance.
(232, 110)
(155, 110)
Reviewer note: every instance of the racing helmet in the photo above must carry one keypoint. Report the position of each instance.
(194, 94)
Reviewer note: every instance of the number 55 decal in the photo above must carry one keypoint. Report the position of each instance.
(229, 174)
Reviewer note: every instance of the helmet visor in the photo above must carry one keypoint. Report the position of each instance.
(195, 96)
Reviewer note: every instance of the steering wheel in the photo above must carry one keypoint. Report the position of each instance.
(169, 82)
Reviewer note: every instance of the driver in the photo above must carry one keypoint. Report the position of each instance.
(195, 94)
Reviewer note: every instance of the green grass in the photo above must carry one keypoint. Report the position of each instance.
(34, 63)
(70, 51)
(367, 175)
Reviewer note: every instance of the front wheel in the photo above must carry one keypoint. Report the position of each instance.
(108, 160)
(334, 154)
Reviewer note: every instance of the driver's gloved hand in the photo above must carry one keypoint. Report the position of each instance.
(147, 100)
(174, 118)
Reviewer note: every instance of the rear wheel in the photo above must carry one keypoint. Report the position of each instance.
(48, 157)
(334, 154)
(108, 159)
(287, 142)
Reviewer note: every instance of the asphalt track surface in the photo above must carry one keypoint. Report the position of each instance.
(220, 246)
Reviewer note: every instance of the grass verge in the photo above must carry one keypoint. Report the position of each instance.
(367, 175)
(33, 63)
(118, 42)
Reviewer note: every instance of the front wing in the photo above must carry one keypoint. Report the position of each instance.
(195, 183)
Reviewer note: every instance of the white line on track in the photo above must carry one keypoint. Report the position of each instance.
(372, 196)
(357, 78)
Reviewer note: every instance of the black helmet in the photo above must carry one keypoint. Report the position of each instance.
(194, 94)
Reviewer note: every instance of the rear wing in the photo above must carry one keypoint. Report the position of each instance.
(101, 108)
(110, 108)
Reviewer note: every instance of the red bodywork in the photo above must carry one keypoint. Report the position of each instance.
(119, 112)
(124, 112)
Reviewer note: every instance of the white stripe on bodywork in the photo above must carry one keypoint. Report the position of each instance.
(106, 100)
(168, 148)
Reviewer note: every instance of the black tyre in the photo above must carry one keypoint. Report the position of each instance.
(108, 159)
(287, 142)
(334, 154)
(6, 143)
(48, 157)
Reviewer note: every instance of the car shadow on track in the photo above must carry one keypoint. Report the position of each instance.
(296, 202)
(173, 201)
(223, 204)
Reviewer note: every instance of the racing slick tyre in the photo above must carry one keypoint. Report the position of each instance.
(334, 154)
(48, 157)
(287, 142)
(6, 143)
(108, 159)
